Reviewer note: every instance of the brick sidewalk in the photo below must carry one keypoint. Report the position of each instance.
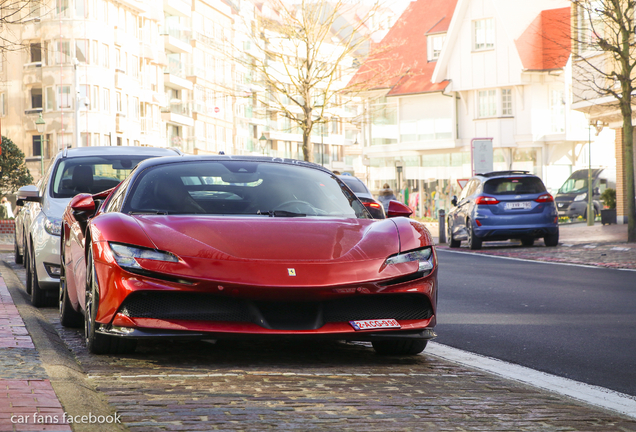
(27, 399)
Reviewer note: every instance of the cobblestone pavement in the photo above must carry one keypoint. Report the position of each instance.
(200, 386)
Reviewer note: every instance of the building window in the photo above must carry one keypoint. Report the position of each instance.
(37, 145)
(106, 100)
(35, 52)
(62, 8)
(62, 52)
(591, 25)
(50, 99)
(81, 50)
(105, 56)
(84, 102)
(36, 98)
(487, 103)
(85, 139)
(95, 99)
(64, 97)
(80, 9)
(506, 102)
(94, 53)
(118, 102)
(64, 141)
(435, 44)
(106, 139)
(483, 34)
(96, 137)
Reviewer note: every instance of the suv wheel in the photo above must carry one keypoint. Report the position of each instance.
(474, 242)
(527, 241)
(551, 240)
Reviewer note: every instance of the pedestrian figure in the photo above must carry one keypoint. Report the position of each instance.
(8, 212)
(386, 195)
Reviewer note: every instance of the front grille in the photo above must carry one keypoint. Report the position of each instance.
(274, 314)
(184, 306)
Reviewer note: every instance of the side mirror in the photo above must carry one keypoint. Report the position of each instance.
(28, 193)
(454, 200)
(83, 206)
(397, 209)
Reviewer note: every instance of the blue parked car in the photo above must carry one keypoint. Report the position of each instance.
(503, 205)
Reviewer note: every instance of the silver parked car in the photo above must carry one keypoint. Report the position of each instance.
(73, 171)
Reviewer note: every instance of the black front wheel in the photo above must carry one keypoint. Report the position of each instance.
(17, 256)
(400, 347)
(98, 343)
(38, 296)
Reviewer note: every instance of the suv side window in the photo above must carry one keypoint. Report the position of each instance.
(464, 192)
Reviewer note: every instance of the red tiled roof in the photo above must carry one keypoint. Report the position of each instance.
(546, 43)
(400, 62)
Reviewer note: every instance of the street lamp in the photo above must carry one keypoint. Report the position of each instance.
(40, 125)
(262, 142)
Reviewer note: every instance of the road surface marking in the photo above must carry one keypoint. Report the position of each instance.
(534, 261)
(593, 395)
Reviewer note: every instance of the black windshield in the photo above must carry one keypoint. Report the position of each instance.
(226, 187)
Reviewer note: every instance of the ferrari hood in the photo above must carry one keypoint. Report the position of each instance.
(268, 238)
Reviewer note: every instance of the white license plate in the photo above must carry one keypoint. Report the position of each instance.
(374, 324)
(518, 205)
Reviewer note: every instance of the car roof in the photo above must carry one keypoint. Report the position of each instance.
(238, 158)
(119, 151)
(495, 174)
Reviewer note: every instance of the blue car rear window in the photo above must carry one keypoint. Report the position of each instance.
(514, 186)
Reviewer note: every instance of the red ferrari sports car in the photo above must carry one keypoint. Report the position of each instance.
(227, 247)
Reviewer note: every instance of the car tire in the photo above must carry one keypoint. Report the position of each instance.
(17, 258)
(400, 347)
(69, 317)
(474, 242)
(551, 240)
(527, 241)
(451, 240)
(596, 214)
(38, 296)
(98, 343)
(27, 285)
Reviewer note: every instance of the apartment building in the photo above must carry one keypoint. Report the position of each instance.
(91, 70)
(482, 69)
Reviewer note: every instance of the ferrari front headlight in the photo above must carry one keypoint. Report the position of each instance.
(424, 257)
(126, 256)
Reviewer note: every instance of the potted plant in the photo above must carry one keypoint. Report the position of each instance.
(608, 214)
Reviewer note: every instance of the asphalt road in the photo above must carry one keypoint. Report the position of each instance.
(571, 321)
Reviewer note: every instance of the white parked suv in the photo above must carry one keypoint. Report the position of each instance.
(73, 171)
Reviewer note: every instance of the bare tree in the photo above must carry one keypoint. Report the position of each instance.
(15, 12)
(304, 55)
(604, 58)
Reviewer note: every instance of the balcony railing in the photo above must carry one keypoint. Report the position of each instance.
(180, 108)
(175, 67)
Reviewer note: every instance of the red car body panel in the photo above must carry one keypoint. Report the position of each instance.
(248, 258)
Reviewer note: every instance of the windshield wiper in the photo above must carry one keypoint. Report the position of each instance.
(281, 213)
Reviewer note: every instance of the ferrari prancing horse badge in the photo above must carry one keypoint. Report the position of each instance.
(291, 271)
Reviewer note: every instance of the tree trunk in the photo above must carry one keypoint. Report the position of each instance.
(308, 154)
(628, 167)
